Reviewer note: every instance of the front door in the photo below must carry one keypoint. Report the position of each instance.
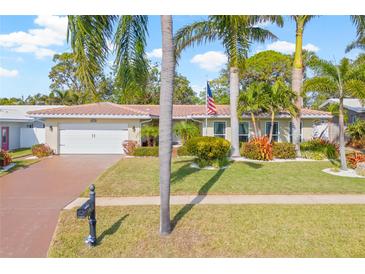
(5, 138)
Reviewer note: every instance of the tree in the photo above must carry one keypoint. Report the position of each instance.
(267, 66)
(183, 93)
(89, 37)
(220, 88)
(252, 101)
(278, 97)
(236, 33)
(150, 132)
(186, 130)
(346, 79)
(297, 75)
(166, 97)
(359, 42)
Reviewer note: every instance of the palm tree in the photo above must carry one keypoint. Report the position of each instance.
(236, 33)
(359, 42)
(150, 133)
(90, 38)
(252, 101)
(186, 130)
(279, 97)
(297, 76)
(166, 96)
(341, 80)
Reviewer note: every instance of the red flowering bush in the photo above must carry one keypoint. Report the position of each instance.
(129, 146)
(5, 158)
(41, 150)
(354, 158)
(258, 148)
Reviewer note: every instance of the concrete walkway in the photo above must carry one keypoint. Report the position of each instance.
(31, 199)
(227, 199)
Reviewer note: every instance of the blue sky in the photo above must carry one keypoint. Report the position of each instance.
(27, 44)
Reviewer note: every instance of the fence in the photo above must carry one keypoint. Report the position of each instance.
(32, 136)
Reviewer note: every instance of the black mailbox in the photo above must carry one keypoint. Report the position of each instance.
(88, 210)
(84, 210)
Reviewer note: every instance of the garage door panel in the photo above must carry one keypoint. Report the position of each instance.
(101, 139)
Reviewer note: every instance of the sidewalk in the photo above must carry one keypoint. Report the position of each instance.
(227, 199)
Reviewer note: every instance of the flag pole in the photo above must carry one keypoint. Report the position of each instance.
(206, 109)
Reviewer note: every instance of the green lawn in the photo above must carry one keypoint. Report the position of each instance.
(218, 231)
(139, 176)
(19, 164)
(21, 152)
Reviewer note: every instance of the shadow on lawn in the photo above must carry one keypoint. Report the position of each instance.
(182, 172)
(253, 165)
(111, 230)
(203, 191)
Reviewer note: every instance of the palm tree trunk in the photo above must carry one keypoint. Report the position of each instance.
(165, 124)
(297, 82)
(254, 123)
(272, 126)
(342, 136)
(234, 90)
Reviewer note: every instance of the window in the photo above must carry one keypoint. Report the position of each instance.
(220, 129)
(244, 132)
(275, 133)
(352, 119)
(291, 131)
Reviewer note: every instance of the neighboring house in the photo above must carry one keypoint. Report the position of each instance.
(355, 111)
(101, 128)
(17, 129)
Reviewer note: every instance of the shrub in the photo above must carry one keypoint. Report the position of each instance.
(317, 146)
(150, 132)
(183, 151)
(356, 131)
(357, 143)
(208, 150)
(41, 150)
(258, 148)
(360, 169)
(284, 150)
(354, 158)
(186, 130)
(5, 158)
(314, 155)
(129, 146)
(146, 151)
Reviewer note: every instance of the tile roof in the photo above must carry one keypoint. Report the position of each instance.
(116, 110)
(19, 112)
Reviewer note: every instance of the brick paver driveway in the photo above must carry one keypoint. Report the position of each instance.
(31, 198)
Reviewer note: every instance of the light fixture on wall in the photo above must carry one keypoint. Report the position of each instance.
(134, 129)
(51, 128)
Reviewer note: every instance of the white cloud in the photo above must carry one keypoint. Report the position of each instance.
(288, 47)
(156, 53)
(210, 61)
(52, 32)
(8, 73)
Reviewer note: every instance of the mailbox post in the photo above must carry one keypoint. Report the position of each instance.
(88, 210)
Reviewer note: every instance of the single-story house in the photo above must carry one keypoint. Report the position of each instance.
(355, 109)
(19, 130)
(101, 128)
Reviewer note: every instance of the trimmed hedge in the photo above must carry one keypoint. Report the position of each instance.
(284, 151)
(146, 151)
(183, 151)
(41, 150)
(210, 151)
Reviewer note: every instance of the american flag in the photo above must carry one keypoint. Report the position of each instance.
(211, 108)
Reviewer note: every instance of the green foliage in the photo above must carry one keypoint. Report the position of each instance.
(208, 150)
(284, 151)
(151, 133)
(186, 130)
(356, 130)
(219, 87)
(41, 150)
(183, 151)
(319, 149)
(146, 151)
(258, 148)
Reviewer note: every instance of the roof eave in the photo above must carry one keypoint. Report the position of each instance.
(90, 116)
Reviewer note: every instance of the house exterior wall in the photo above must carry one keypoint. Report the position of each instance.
(53, 134)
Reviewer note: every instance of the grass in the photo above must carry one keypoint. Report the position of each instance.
(20, 152)
(217, 231)
(139, 176)
(19, 164)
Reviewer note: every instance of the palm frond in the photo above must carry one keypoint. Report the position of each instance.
(355, 88)
(323, 68)
(359, 43)
(359, 22)
(89, 36)
(321, 84)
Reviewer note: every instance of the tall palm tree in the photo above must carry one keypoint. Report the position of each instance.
(236, 33)
(165, 141)
(359, 42)
(346, 79)
(297, 75)
(90, 38)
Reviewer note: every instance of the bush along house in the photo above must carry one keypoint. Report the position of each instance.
(101, 128)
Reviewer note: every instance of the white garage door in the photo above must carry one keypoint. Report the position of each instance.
(92, 138)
